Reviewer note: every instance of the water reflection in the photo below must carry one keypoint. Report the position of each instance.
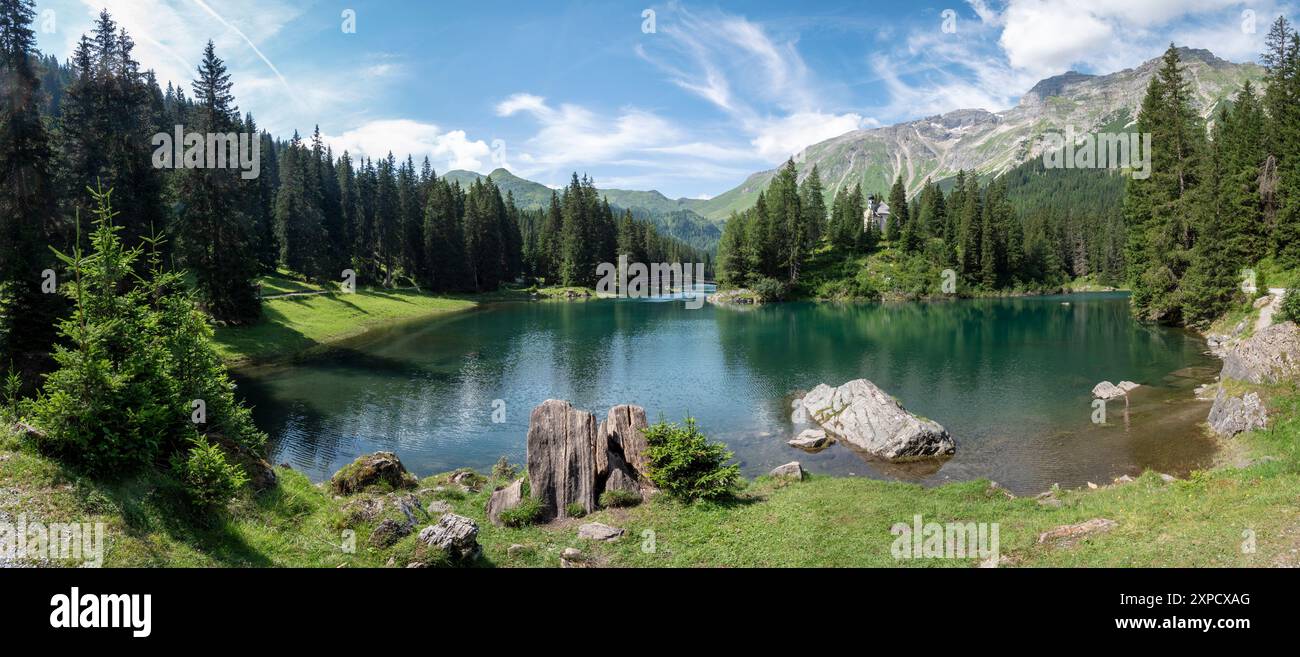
(1009, 377)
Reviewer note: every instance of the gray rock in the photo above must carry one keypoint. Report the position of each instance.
(562, 457)
(455, 535)
(1068, 535)
(863, 415)
(388, 532)
(810, 439)
(572, 558)
(1230, 416)
(792, 471)
(516, 550)
(595, 531)
(438, 507)
(1167, 478)
(1107, 390)
(504, 499)
(1127, 386)
(1271, 355)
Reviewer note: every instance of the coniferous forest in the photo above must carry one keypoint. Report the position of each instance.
(73, 127)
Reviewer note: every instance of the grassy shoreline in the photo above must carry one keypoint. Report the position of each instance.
(299, 325)
(822, 521)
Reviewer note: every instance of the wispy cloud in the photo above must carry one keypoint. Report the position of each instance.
(759, 81)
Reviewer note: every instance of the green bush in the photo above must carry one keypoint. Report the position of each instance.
(209, 479)
(504, 470)
(769, 289)
(618, 498)
(575, 510)
(686, 465)
(1290, 310)
(135, 352)
(527, 512)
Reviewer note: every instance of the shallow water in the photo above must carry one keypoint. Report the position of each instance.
(1009, 378)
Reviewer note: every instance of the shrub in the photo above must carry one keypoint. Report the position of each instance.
(504, 470)
(527, 512)
(1290, 310)
(209, 479)
(686, 465)
(575, 510)
(618, 498)
(769, 289)
(135, 351)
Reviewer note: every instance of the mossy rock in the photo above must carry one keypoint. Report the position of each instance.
(382, 469)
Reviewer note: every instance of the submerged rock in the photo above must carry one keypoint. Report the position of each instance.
(1230, 416)
(1107, 390)
(810, 439)
(863, 415)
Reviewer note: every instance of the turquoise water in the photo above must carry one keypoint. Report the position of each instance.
(1009, 378)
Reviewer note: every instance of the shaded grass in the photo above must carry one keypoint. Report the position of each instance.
(293, 325)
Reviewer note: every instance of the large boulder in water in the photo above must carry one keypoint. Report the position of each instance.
(562, 457)
(866, 417)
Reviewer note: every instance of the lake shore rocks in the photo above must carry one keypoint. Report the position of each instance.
(811, 440)
(736, 297)
(455, 535)
(1269, 356)
(866, 417)
(1230, 415)
(370, 470)
(572, 460)
(791, 471)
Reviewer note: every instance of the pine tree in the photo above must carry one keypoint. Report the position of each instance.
(27, 195)
(812, 200)
(215, 233)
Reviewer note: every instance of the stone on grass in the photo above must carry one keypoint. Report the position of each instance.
(595, 531)
(455, 535)
(791, 471)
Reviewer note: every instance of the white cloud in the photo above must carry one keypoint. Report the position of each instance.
(451, 149)
(574, 136)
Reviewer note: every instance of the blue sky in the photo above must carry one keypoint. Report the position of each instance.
(715, 92)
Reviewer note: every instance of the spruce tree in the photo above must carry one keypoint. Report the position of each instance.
(215, 233)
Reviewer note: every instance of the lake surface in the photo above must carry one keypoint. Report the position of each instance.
(1009, 378)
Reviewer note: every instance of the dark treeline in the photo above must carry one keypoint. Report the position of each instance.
(90, 122)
